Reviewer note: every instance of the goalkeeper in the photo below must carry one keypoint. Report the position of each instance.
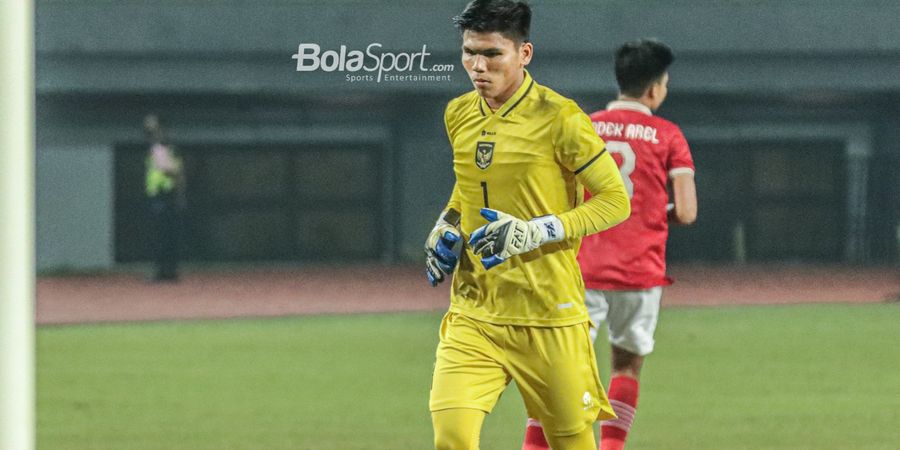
(521, 155)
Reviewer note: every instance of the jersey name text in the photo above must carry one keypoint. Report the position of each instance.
(629, 131)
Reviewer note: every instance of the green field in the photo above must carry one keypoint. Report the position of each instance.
(786, 377)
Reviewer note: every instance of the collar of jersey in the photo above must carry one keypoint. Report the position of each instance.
(630, 105)
(511, 103)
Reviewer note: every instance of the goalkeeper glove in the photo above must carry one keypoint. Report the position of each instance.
(439, 256)
(506, 236)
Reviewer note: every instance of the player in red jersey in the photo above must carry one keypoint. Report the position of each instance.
(624, 268)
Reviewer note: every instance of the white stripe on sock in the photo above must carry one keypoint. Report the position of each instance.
(625, 413)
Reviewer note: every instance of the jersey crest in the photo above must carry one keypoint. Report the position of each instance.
(484, 154)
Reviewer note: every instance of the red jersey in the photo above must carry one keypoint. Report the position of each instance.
(648, 150)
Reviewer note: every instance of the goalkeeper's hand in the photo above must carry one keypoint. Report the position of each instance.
(506, 236)
(439, 256)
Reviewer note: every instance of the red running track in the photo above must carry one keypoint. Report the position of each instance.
(270, 292)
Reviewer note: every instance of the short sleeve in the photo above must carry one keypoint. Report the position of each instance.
(576, 143)
(679, 159)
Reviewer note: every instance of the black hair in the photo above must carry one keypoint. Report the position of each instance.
(641, 63)
(510, 18)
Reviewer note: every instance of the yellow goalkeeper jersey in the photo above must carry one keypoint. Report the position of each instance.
(529, 158)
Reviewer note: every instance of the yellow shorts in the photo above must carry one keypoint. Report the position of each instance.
(554, 369)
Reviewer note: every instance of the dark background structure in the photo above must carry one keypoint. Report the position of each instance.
(792, 110)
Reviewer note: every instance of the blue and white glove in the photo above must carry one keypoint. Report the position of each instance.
(440, 257)
(506, 236)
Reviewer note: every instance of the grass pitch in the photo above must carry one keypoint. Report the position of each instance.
(776, 377)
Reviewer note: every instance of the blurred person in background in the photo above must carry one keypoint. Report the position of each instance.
(165, 183)
(624, 268)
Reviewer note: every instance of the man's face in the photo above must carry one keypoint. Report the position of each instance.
(660, 91)
(495, 64)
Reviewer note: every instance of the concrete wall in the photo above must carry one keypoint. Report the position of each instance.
(74, 207)
(236, 46)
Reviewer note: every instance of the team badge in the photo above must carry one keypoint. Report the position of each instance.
(587, 400)
(484, 154)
